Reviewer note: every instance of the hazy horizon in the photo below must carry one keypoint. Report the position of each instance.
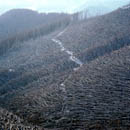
(57, 5)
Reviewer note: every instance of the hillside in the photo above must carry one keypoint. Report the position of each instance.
(69, 74)
(47, 27)
(20, 20)
(98, 92)
(10, 121)
(96, 36)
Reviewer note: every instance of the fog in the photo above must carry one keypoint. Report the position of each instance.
(59, 5)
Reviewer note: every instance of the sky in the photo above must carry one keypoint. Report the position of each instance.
(53, 5)
(41, 5)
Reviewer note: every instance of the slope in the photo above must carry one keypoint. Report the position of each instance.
(94, 37)
(39, 85)
(21, 20)
(10, 121)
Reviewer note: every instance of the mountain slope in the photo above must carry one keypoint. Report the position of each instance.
(39, 82)
(10, 121)
(20, 20)
(96, 36)
(61, 21)
(99, 92)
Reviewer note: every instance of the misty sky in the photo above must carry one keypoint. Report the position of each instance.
(54, 5)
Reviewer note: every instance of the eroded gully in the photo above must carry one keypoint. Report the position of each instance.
(70, 53)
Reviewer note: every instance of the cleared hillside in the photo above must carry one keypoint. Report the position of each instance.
(96, 96)
(99, 91)
(39, 84)
(96, 36)
(10, 121)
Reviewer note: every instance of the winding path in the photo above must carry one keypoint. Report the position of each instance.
(70, 53)
(72, 58)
